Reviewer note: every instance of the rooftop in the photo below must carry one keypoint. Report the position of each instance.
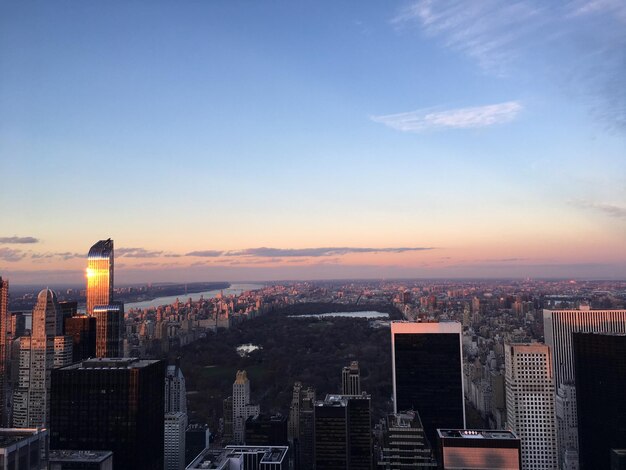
(111, 363)
(211, 459)
(98, 456)
(477, 434)
(10, 436)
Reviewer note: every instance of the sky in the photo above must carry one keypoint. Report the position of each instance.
(245, 140)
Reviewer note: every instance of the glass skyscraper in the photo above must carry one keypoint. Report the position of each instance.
(100, 275)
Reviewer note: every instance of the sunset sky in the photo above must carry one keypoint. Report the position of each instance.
(253, 140)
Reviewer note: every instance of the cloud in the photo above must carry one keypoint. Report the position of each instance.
(137, 253)
(582, 41)
(8, 254)
(461, 118)
(612, 210)
(206, 253)
(20, 240)
(315, 252)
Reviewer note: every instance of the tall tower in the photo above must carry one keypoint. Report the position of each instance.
(175, 390)
(428, 373)
(4, 338)
(100, 275)
(109, 326)
(559, 326)
(600, 366)
(530, 403)
(242, 409)
(351, 379)
(45, 349)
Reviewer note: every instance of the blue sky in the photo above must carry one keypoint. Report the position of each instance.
(484, 131)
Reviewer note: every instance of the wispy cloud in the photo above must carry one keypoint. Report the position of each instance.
(317, 252)
(581, 40)
(9, 254)
(18, 240)
(460, 118)
(143, 253)
(206, 253)
(612, 210)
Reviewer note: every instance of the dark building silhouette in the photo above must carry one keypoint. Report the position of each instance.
(428, 373)
(82, 329)
(69, 308)
(197, 438)
(266, 430)
(473, 449)
(404, 444)
(600, 368)
(343, 433)
(110, 404)
(109, 326)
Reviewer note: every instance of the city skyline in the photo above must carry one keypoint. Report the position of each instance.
(281, 141)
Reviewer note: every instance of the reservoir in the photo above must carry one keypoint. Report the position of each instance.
(234, 289)
(369, 314)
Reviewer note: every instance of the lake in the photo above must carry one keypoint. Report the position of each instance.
(369, 314)
(234, 289)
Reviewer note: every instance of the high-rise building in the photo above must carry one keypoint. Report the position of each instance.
(242, 408)
(300, 428)
(175, 390)
(404, 444)
(69, 309)
(197, 438)
(600, 368)
(472, 449)
(530, 403)
(351, 379)
(174, 440)
(343, 433)
(40, 352)
(428, 373)
(23, 448)
(559, 325)
(80, 459)
(567, 426)
(266, 430)
(82, 329)
(100, 275)
(242, 458)
(110, 404)
(109, 327)
(4, 349)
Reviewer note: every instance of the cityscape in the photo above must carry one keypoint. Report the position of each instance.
(313, 235)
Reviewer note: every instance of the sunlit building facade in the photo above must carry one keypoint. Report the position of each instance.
(4, 338)
(100, 275)
(109, 327)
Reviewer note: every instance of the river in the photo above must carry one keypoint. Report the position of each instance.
(235, 289)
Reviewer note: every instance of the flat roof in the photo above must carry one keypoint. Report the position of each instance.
(79, 455)
(477, 434)
(215, 458)
(10, 436)
(111, 363)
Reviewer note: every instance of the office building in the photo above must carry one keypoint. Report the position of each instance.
(242, 458)
(5, 326)
(80, 460)
(197, 438)
(530, 403)
(351, 379)
(242, 408)
(559, 325)
(175, 390)
(404, 444)
(600, 368)
(110, 404)
(174, 440)
(472, 449)
(100, 275)
(300, 428)
(39, 353)
(109, 329)
(23, 449)
(266, 430)
(343, 432)
(82, 329)
(428, 373)
(69, 309)
(567, 426)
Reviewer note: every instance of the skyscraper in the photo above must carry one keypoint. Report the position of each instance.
(40, 352)
(242, 408)
(4, 359)
(404, 443)
(109, 314)
(351, 379)
(600, 367)
(100, 275)
(175, 390)
(530, 403)
(428, 373)
(472, 449)
(343, 433)
(82, 329)
(109, 326)
(174, 440)
(110, 404)
(559, 325)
